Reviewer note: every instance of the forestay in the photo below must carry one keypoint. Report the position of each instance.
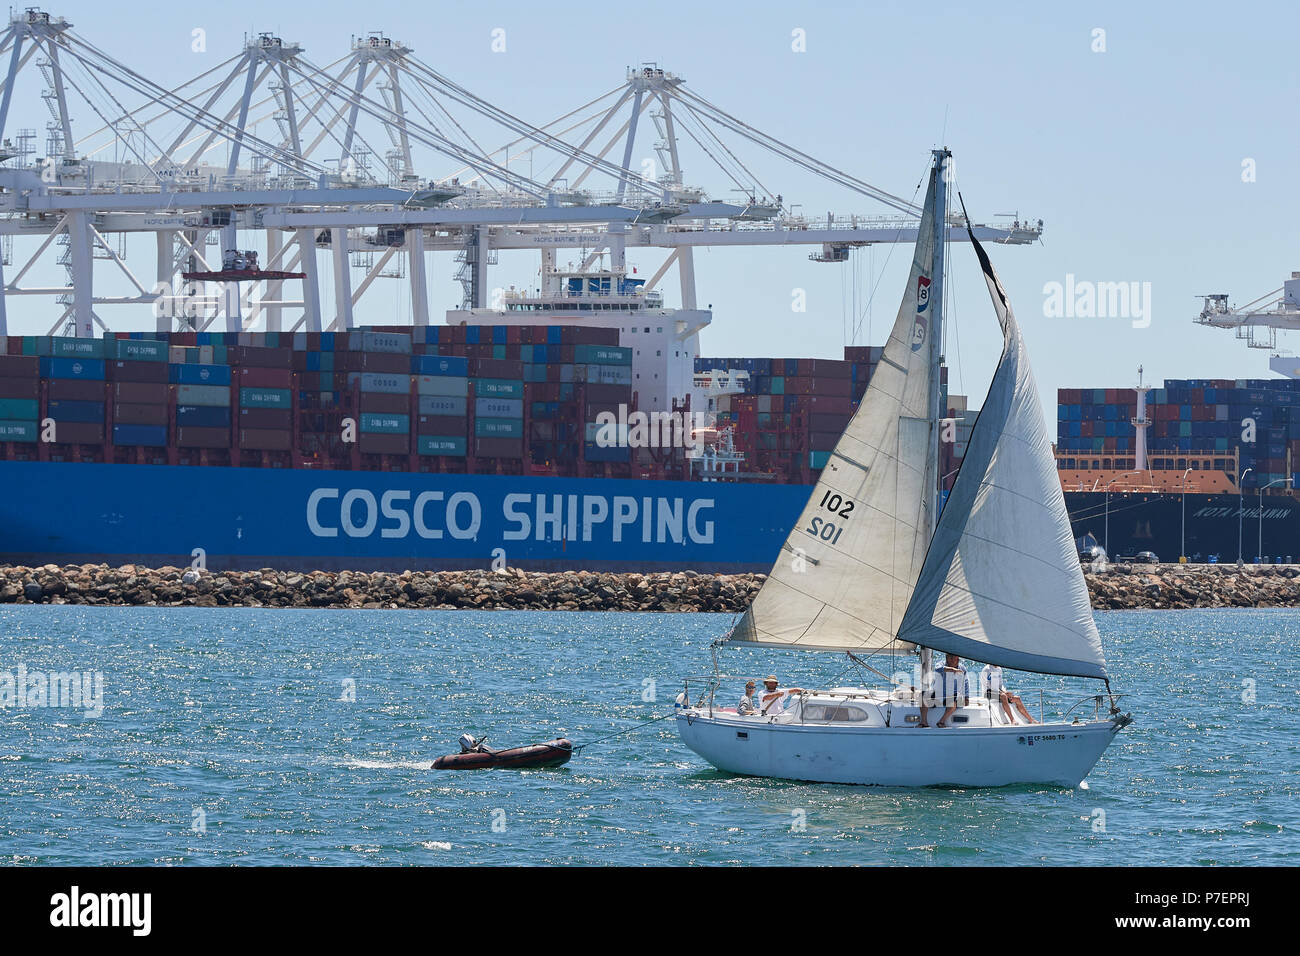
(1002, 581)
(845, 574)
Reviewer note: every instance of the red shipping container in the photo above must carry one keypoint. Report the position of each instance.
(617, 394)
(373, 444)
(77, 390)
(79, 433)
(28, 388)
(203, 437)
(260, 418)
(496, 368)
(259, 377)
(820, 422)
(499, 447)
(264, 439)
(19, 366)
(132, 393)
(832, 368)
(140, 414)
(441, 425)
(127, 371)
(382, 402)
(252, 356)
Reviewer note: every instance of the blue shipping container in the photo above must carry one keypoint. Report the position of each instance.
(202, 416)
(199, 374)
(88, 412)
(89, 369)
(152, 435)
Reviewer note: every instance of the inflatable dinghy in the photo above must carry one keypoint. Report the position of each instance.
(475, 755)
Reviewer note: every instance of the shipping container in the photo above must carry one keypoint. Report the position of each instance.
(200, 437)
(264, 377)
(263, 398)
(499, 407)
(199, 374)
(383, 383)
(123, 371)
(203, 417)
(79, 433)
(442, 405)
(497, 388)
(377, 443)
(264, 439)
(64, 411)
(498, 427)
(391, 342)
(441, 425)
(498, 447)
(451, 446)
(135, 393)
(52, 367)
(139, 414)
(26, 432)
(153, 436)
(456, 366)
(387, 424)
(446, 385)
(22, 388)
(136, 350)
(265, 418)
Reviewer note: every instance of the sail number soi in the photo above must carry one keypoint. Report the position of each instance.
(830, 531)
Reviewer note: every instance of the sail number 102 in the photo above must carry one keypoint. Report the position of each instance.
(828, 530)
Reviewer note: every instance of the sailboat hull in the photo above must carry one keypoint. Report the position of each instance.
(1060, 754)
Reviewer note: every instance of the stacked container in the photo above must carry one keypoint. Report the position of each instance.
(202, 399)
(139, 372)
(442, 404)
(20, 392)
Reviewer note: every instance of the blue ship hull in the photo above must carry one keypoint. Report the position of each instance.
(248, 518)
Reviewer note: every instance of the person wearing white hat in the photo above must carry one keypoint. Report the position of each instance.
(773, 699)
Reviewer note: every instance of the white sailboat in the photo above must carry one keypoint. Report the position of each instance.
(873, 563)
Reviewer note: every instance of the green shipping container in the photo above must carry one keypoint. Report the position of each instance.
(265, 398)
(385, 424)
(136, 350)
(499, 352)
(499, 427)
(18, 431)
(818, 459)
(437, 445)
(778, 385)
(601, 355)
(497, 388)
(19, 409)
(67, 347)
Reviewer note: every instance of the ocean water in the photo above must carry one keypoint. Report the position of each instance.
(251, 736)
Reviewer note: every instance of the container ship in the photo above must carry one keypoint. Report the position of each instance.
(466, 445)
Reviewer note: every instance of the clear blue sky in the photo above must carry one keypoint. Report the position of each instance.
(1132, 156)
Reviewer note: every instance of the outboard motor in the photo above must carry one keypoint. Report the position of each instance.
(467, 743)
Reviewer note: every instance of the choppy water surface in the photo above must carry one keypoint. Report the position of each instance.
(227, 736)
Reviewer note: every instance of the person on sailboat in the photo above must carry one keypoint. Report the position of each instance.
(746, 705)
(773, 699)
(953, 684)
(991, 678)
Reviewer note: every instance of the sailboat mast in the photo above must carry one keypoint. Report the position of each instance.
(936, 311)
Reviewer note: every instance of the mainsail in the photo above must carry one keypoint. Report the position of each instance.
(845, 575)
(1002, 581)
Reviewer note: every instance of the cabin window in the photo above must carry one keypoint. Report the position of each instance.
(828, 712)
